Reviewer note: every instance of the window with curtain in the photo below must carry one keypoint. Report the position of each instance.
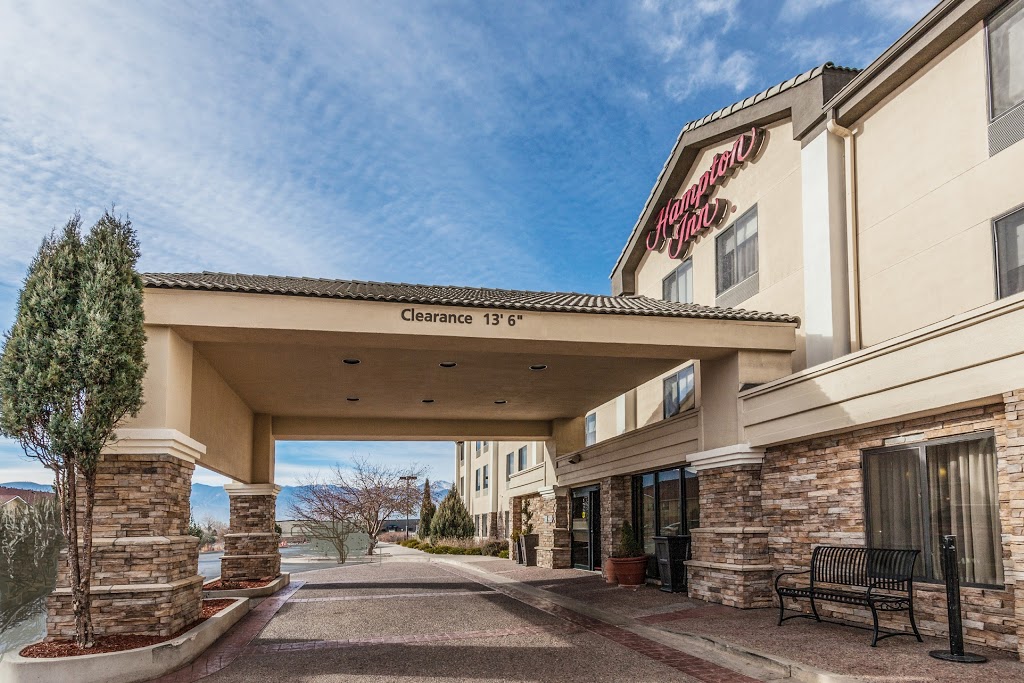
(736, 251)
(679, 392)
(522, 458)
(1006, 58)
(478, 479)
(591, 434)
(1010, 253)
(508, 464)
(915, 495)
(487, 480)
(678, 285)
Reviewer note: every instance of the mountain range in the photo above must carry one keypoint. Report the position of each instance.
(212, 501)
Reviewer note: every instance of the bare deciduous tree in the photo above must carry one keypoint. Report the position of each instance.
(364, 496)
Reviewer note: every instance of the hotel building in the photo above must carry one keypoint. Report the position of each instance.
(883, 209)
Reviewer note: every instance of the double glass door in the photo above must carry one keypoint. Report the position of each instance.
(586, 528)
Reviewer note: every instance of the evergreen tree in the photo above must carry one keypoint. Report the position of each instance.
(427, 510)
(452, 519)
(71, 370)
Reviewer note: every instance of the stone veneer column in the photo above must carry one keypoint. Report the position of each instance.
(616, 507)
(1014, 458)
(251, 550)
(145, 577)
(730, 562)
(553, 549)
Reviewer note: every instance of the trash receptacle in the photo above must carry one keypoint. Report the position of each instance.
(672, 552)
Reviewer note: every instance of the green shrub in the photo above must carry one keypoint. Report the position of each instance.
(492, 547)
(503, 554)
(450, 550)
(452, 519)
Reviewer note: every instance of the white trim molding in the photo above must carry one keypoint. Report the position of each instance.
(156, 442)
(726, 456)
(239, 489)
(552, 492)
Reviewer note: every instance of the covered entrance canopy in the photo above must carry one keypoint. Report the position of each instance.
(239, 361)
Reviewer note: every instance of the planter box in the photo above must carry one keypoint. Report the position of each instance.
(129, 666)
(672, 552)
(262, 592)
(629, 571)
(528, 549)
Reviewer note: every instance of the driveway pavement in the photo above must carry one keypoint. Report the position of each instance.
(412, 618)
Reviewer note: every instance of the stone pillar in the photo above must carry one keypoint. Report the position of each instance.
(553, 549)
(1013, 454)
(251, 550)
(730, 564)
(145, 565)
(616, 508)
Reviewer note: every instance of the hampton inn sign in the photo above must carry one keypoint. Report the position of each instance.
(685, 218)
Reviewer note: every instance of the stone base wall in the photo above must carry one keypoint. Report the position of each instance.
(551, 524)
(731, 564)
(813, 494)
(616, 507)
(251, 546)
(144, 575)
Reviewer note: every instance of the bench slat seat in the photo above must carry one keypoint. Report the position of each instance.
(881, 579)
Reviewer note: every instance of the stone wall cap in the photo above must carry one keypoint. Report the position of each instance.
(136, 441)
(730, 530)
(239, 489)
(142, 540)
(726, 456)
(730, 567)
(136, 587)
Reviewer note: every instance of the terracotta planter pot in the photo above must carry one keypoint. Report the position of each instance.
(609, 571)
(629, 571)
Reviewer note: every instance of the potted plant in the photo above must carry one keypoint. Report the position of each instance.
(528, 540)
(628, 563)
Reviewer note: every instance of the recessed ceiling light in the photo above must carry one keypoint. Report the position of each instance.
(427, 400)
(501, 402)
(539, 366)
(448, 364)
(351, 361)
(352, 398)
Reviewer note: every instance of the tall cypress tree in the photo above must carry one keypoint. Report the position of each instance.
(452, 519)
(427, 510)
(71, 370)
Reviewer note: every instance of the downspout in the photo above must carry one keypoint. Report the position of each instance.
(853, 248)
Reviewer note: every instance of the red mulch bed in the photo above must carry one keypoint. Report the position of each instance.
(219, 585)
(118, 643)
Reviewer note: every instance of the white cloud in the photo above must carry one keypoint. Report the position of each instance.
(798, 10)
(898, 10)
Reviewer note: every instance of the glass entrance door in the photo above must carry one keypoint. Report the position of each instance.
(586, 528)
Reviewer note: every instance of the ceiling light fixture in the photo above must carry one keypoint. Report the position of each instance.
(427, 400)
(501, 402)
(539, 366)
(448, 364)
(351, 361)
(352, 398)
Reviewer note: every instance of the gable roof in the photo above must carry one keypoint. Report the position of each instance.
(439, 295)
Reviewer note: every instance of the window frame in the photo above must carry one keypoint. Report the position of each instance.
(674, 275)
(675, 376)
(523, 457)
(508, 465)
(587, 439)
(930, 536)
(995, 249)
(720, 237)
(988, 63)
(636, 490)
(487, 479)
(477, 478)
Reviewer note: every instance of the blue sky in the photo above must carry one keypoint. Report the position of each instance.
(476, 143)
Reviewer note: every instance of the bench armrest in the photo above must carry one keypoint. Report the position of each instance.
(874, 584)
(782, 574)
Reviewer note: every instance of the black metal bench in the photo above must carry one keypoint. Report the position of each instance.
(880, 579)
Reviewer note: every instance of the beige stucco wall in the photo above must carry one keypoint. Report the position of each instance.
(927, 192)
(221, 421)
(496, 497)
(773, 183)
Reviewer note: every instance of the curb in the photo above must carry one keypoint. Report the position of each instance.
(128, 666)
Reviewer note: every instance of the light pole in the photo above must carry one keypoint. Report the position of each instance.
(408, 479)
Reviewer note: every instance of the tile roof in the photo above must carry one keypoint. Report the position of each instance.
(566, 302)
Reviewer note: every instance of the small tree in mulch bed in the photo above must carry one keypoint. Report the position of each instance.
(452, 519)
(72, 370)
(427, 511)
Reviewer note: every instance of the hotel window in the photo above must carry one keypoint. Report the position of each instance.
(478, 479)
(1006, 58)
(477, 449)
(1010, 253)
(679, 392)
(678, 286)
(483, 524)
(462, 486)
(591, 434)
(736, 252)
(487, 480)
(915, 495)
(665, 503)
(522, 459)
(509, 462)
